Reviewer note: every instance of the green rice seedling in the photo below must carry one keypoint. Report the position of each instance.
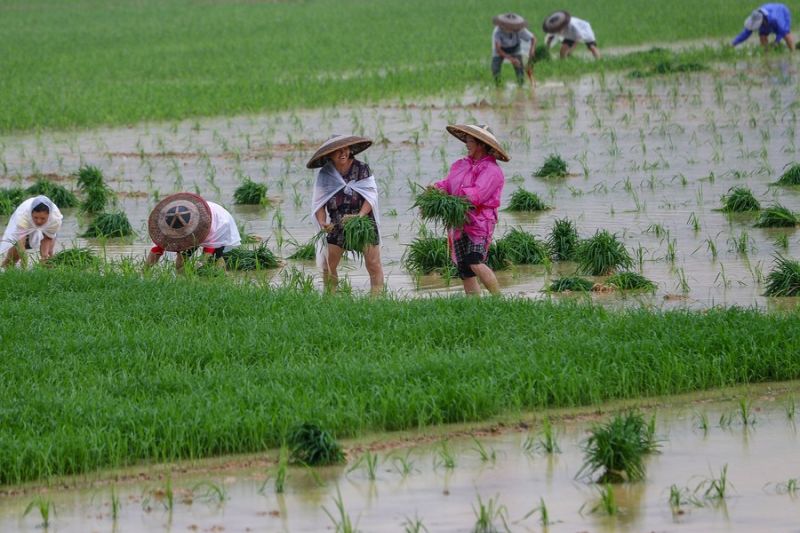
(370, 462)
(746, 412)
(250, 193)
(739, 200)
(702, 421)
(90, 177)
(607, 502)
(435, 204)
(487, 455)
(282, 469)
(211, 492)
(522, 248)
(790, 408)
(541, 510)
(790, 487)
(498, 257)
(616, 450)
(295, 279)
(791, 176)
(570, 284)
(109, 225)
(403, 464)
(563, 239)
(784, 278)
(782, 241)
(541, 53)
(526, 201)
(359, 232)
(716, 488)
(777, 216)
(9, 199)
(548, 440)
(342, 523)
(427, 254)
(313, 446)
(630, 281)
(74, 258)
(247, 259)
(116, 505)
(725, 420)
(44, 506)
(554, 167)
(487, 514)
(602, 254)
(414, 525)
(680, 496)
(60, 195)
(444, 457)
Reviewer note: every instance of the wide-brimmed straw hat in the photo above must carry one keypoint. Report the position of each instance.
(510, 21)
(179, 222)
(753, 22)
(556, 21)
(483, 134)
(356, 144)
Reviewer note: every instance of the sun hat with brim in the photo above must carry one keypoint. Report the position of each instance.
(753, 22)
(510, 22)
(483, 134)
(179, 222)
(356, 144)
(556, 22)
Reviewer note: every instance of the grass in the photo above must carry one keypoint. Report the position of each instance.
(250, 193)
(739, 200)
(427, 254)
(553, 167)
(257, 258)
(10, 198)
(570, 284)
(75, 258)
(109, 225)
(359, 232)
(60, 195)
(563, 239)
(314, 446)
(435, 204)
(523, 248)
(791, 176)
(784, 278)
(666, 67)
(630, 281)
(602, 254)
(522, 200)
(777, 216)
(125, 41)
(115, 394)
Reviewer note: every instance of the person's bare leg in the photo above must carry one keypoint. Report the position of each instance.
(789, 40)
(487, 277)
(565, 50)
(471, 287)
(152, 259)
(595, 52)
(764, 42)
(11, 257)
(179, 262)
(330, 276)
(372, 260)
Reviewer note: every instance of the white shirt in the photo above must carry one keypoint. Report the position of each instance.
(578, 30)
(223, 232)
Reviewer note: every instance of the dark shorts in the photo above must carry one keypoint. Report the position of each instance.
(190, 252)
(468, 253)
(27, 243)
(571, 43)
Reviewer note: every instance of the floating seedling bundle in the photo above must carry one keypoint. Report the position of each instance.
(109, 225)
(791, 176)
(427, 254)
(74, 258)
(522, 200)
(616, 450)
(777, 216)
(258, 258)
(313, 446)
(563, 240)
(250, 193)
(523, 248)
(602, 254)
(435, 204)
(630, 281)
(554, 167)
(738, 200)
(784, 279)
(571, 284)
(307, 251)
(60, 195)
(359, 232)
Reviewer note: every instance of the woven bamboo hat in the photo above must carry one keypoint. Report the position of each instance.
(510, 21)
(753, 22)
(356, 144)
(483, 134)
(179, 221)
(556, 22)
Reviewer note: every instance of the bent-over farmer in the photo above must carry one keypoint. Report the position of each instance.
(571, 30)
(33, 225)
(768, 19)
(510, 32)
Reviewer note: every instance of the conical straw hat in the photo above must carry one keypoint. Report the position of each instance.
(356, 144)
(556, 22)
(482, 133)
(510, 22)
(179, 221)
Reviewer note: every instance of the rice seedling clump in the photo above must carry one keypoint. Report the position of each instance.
(554, 167)
(250, 193)
(616, 450)
(791, 175)
(109, 225)
(74, 258)
(522, 248)
(305, 252)
(313, 446)
(359, 232)
(630, 281)
(60, 195)
(541, 53)
(563, 240)
(258, 258)
(571, 284)
(602, 254)
(427, 254)
(784, 278)
(498, 257)
(9, 199)
(777, 216)
(522, 200)
(435, 204)
(96, 192)
(738, 200)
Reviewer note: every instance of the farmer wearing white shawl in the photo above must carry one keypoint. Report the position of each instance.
(33, 225)
(345, 188)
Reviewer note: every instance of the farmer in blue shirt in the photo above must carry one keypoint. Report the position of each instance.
(769, 18)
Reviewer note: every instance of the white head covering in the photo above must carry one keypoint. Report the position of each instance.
(753, 22)
(21, 224)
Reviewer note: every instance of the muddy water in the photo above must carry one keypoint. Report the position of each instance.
(650, 160)
(759, 457)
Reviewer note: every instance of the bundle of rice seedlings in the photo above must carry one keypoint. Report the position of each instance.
(208, 269)
(498, 257)
(563, 239)
(250, 193)
(97, 194)
(9, 199)
(258, 258)
(74, 258)
(435, 204)
(108, 225)
(791, 176)
(630, 281)
(523, 248)
(522, 200)
(777, 216)
(738, 200)
(617, 449)
(90, 177)
(602, 254)
(542, 53)
(554, 167)
(313, 446)
(359, 232)
(305, 252)
(784, 278)
(60, 195)
(427, 254)
(571, 284)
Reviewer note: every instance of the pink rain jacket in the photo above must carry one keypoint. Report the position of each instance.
(481, 182)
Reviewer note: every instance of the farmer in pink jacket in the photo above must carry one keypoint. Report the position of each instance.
(478, 178)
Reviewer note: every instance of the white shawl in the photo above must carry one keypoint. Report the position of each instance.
(21, 224)
(329, 182)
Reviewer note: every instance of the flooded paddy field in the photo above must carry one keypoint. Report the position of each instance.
(649, 159)
(746, 439)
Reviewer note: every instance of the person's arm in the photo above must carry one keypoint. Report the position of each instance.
(742, 37)
(46, 248)
(499, 50)
(322, 219)
(532, 51)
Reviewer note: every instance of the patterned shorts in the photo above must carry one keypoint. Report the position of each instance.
(468, 253)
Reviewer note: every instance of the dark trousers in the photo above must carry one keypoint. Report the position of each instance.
(497, 63)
